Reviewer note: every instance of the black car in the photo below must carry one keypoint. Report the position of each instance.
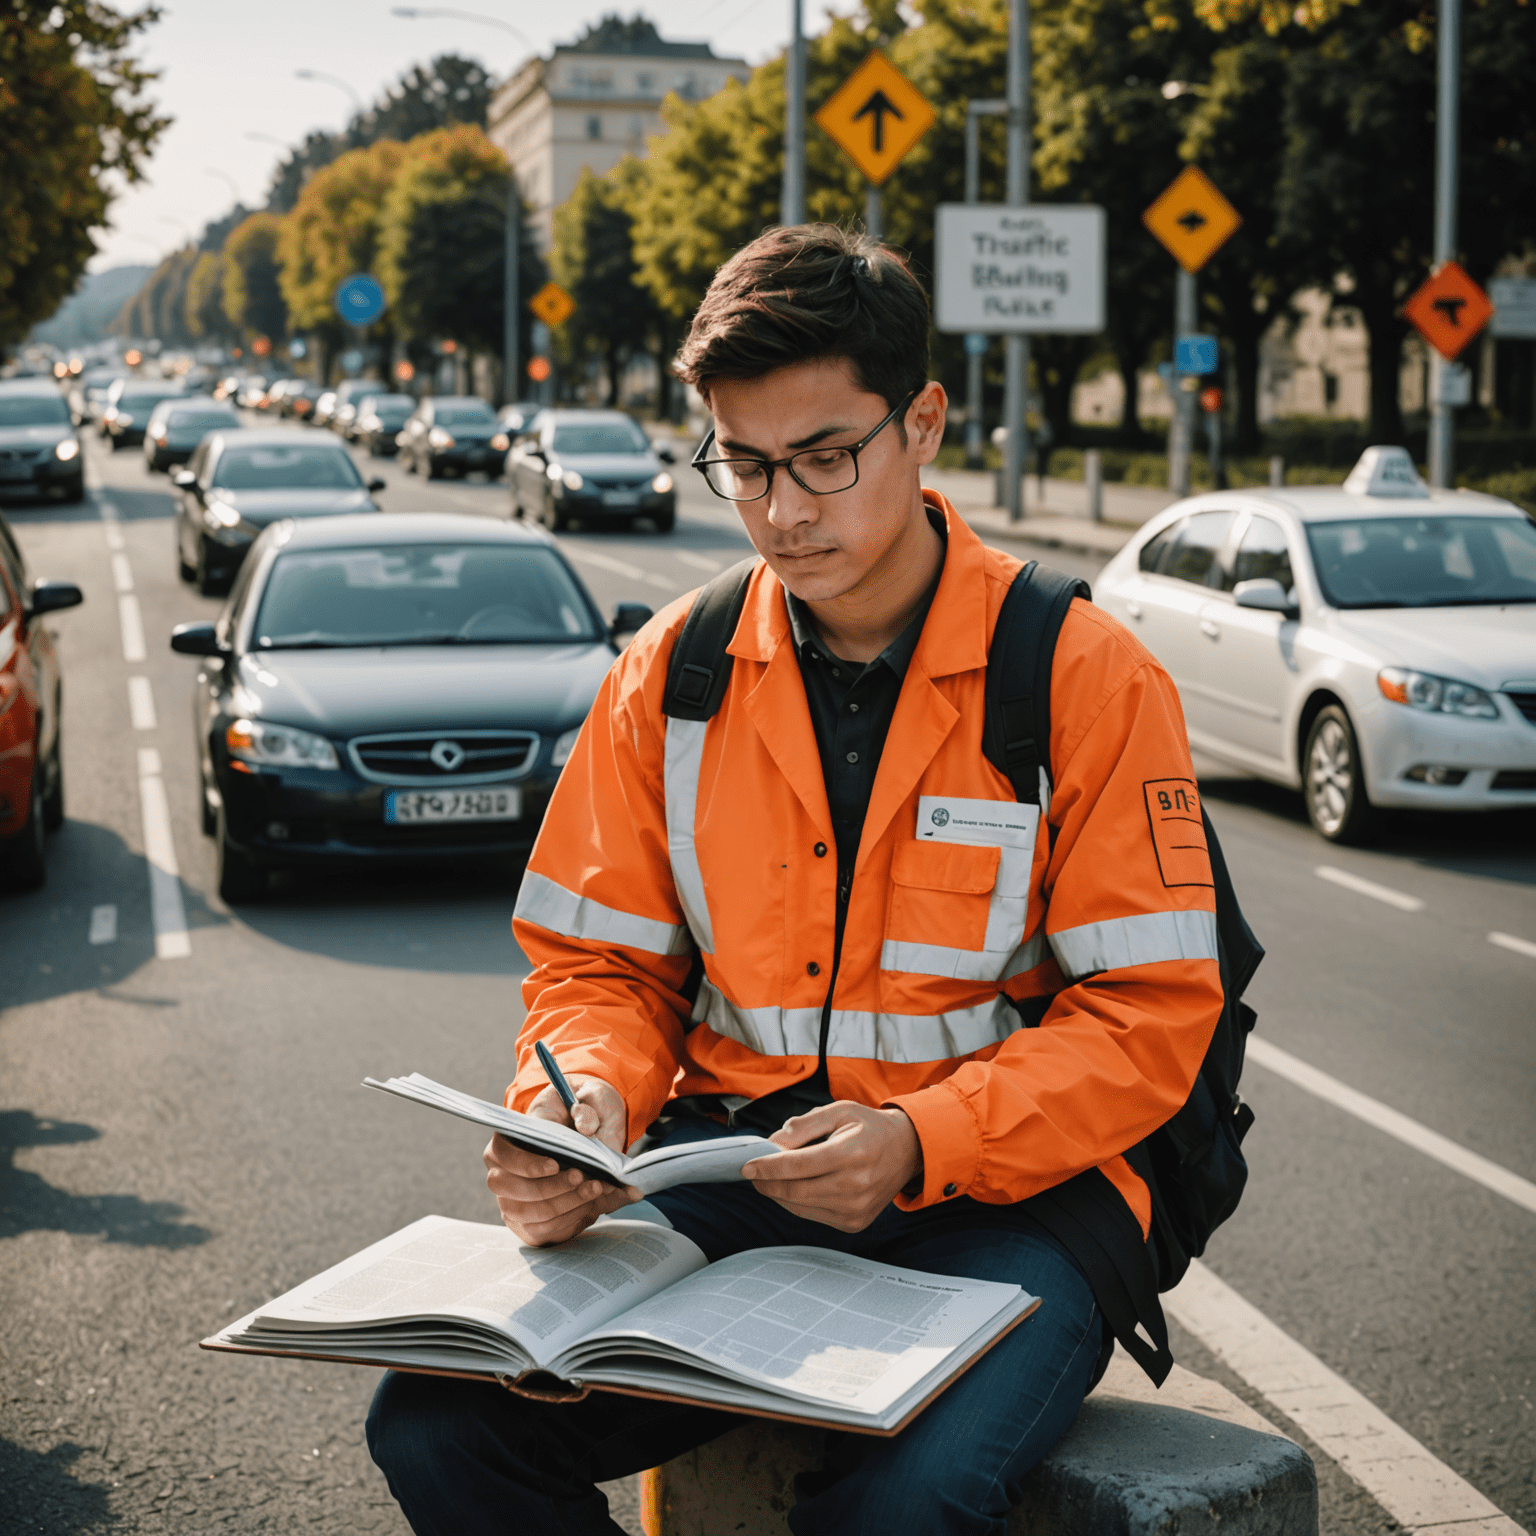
(451, 434)
(237, 483)
(39, 449)
(401, 687)
(379, 421)
(595, 465)
(130, 403)
(177, 426)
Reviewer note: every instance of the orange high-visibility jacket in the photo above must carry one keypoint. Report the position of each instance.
(669, 836)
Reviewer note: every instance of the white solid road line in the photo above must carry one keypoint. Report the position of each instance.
(1510, 942)
(698, 562)
(122, 573)
(653, 580)
(1431, 1143)
(581, 554)
(1417, 1489)
(1363, 887)
(133, 627)
(165, 903)
(103, 925)
(141, 704)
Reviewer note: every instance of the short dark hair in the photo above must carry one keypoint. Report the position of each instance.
(812, 291)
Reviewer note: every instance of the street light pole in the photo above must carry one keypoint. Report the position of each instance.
(336, 80)
(1016, 375)
(792, 193)
(1181, 426)
(1442, 422)
(974, 112)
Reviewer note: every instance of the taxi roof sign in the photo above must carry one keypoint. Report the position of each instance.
(1385, 471)
(1449, 309)
(553, 305)
(876, 116)
(1192, 218)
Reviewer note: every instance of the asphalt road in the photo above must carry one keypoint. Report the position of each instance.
(185, 1137)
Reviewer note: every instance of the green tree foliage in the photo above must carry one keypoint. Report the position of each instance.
(159, 308)
(253, 298)
(205, 317)
(73, 112)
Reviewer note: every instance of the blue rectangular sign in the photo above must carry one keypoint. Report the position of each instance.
(1196, 354)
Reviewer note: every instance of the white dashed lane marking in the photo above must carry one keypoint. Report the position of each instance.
(141, 704)
(165, 904)
(1384, 1118)
(1364, 887)
(103, 925)
(122, 573)
(584, 556)
(132, 624)
(698, 562)
(1515, 946)
(1417, 1489)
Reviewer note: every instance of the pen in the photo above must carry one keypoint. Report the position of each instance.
(556, 1076)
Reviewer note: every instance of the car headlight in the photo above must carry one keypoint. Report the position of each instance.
(1435, 695)
(501, 442)
(571, 480)
(66, 450)
(278, 746)
(158, 432)
(662, 483)
(221, 515)
(564, 746)
(438, 438)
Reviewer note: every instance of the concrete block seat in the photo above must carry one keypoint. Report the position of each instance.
(1138, 1461)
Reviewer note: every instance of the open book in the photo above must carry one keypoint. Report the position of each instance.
(716, 1161)
(800, 1333)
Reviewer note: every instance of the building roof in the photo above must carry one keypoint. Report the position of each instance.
(637, 36)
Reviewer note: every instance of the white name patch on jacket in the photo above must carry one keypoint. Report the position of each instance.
(990, 823)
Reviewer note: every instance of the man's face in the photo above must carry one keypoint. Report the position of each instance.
(825, 547)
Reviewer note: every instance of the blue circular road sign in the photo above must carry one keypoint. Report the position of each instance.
(976, 343)
(359, 299)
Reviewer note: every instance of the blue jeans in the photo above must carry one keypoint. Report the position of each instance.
(473, 1459)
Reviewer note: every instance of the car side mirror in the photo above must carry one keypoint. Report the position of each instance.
(1266, 594)
(184, 478)
(627, 618)
(51, 596)
(200, 639)
(666, 455)
(376, 484)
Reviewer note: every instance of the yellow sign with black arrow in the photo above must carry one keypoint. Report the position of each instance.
(1192, 219)
(553, 305)
(876, 116)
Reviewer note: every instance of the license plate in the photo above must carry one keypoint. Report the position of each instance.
(15, 471)
(499, 802)
(620, 499)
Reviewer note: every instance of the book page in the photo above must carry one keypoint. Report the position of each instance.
(809, 1323)
(544, 1298)
(719, 1160)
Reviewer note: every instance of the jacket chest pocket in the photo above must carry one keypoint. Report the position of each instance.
(941, 894)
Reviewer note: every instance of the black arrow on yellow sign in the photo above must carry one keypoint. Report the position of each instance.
(1191, 220)
(877, 106)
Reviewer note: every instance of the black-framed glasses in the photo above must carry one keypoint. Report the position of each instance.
(821, 471)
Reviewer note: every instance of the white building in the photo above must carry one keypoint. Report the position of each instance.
(593, 102)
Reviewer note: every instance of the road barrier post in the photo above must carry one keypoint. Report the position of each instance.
(1093, 480)
(1276, 469)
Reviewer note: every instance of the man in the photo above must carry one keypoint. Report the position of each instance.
(734, 924)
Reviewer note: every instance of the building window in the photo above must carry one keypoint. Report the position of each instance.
(594, 127)
(1330, 389)
(645, 81)
(688, 86)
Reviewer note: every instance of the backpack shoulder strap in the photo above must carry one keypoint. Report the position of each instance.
(700, 666)
(1016, 732)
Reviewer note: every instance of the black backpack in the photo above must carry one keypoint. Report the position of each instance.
(1193, 1165)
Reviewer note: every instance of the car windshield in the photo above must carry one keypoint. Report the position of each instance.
(391, 403)
(420, 594)
(207, 421)
(33, 411)
(272, 467)
(463, 415)
(600, 437)
(146, 400)
(1425, 562)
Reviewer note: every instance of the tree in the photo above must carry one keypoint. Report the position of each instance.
(159, 308)
(442, 242)
(205, 317)
(253, 298)
(73, 116)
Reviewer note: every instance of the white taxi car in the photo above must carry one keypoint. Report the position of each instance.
(1371, 645)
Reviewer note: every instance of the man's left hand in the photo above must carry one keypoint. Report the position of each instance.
(862, 1159)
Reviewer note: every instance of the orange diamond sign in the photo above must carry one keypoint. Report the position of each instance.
(876, 116)
(553, 305)
(1449, 309)
(1192, 219)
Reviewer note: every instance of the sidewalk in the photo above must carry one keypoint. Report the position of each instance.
(1059, 518)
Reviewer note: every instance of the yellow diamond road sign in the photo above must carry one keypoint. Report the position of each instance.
(876, 116)
(553, 305)
(1192, 219)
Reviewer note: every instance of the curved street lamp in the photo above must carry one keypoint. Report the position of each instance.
(336, 80)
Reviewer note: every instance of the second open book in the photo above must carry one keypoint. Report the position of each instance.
(634, 1307)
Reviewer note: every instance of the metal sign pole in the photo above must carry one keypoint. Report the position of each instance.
(1442, 426)
(511, 379)
(974, 111)
(874, 224)
(1181, 430)
(792, 191)
(1016, 375)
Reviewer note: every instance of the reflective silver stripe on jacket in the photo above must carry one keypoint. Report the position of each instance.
(996, 959)
(543, 901)
(897, 1037)
(685, 752)
(1145, 939)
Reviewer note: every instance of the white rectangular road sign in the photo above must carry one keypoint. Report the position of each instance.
(1038, 269)
(1514, 306)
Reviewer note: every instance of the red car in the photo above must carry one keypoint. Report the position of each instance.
(31, 761)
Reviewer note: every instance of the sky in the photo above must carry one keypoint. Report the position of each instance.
(227, 71)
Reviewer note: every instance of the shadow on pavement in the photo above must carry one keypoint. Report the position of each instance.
(37, 1492)
(28, 1203)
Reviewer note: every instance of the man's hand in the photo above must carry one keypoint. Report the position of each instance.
(867, 1157)
(541, 1202)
